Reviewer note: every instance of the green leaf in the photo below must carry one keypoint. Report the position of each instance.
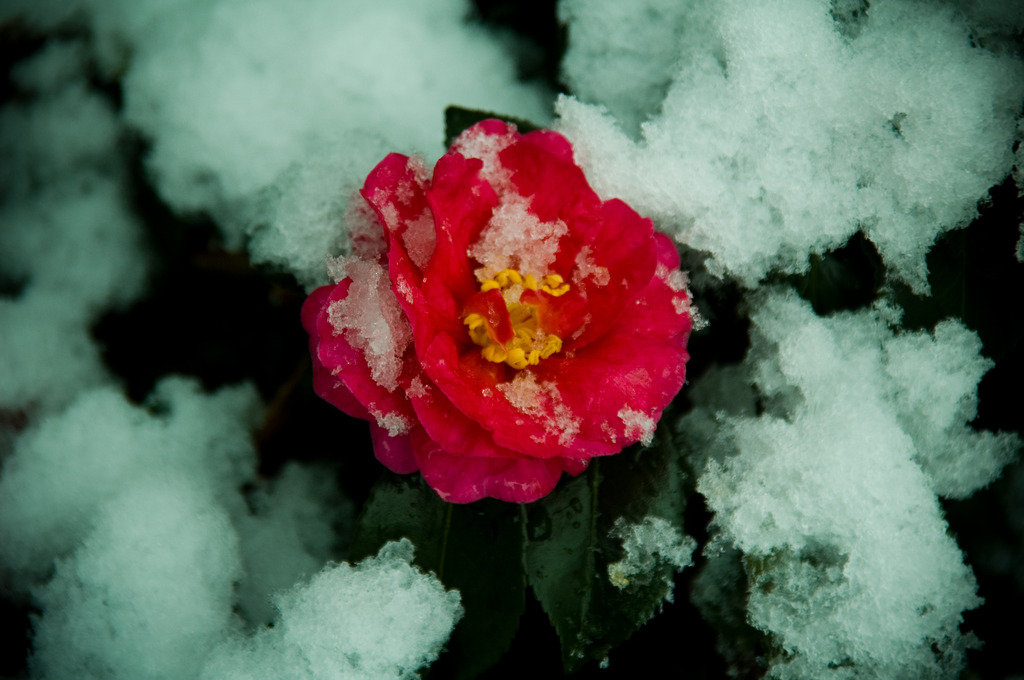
(720, 591)
(402, 506)
(476, 548)
(575, 535)
(973, 272)
(843, 279)
(485, 562)
(560, 559)
(457, 119)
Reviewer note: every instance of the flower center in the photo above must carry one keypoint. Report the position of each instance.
(528, 344)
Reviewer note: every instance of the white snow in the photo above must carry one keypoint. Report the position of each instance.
(373, 321)
(639, 426)
(781, 132)
(515, 239)
(831, 496)
(130, 526)
(648, 546)
(543, 403)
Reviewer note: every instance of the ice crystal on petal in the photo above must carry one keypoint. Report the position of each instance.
(364, 230)
(487, 148)
(639, 427)
(394, 423)
(516, 239)
(588, 272)
(542, 402)
(373, 321)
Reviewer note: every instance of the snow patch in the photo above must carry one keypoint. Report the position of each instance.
(373, 321)
(638, 425)
(543, 403)
(515, 238)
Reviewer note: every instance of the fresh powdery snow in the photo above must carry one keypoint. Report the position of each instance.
(382, 618)
(267, 116)
(146, 544)
(830, 496)
(373, 320)
(543, 402)
(514, 238)
(649, 546)
(763, 132)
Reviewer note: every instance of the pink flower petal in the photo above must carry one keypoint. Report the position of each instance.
(394, 452)
(341, 375)
(459, 479)
(477, 428)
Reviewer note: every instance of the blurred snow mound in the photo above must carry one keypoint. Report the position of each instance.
(151, 546)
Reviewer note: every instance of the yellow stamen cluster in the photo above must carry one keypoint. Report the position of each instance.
(552, 284)
(530, 344)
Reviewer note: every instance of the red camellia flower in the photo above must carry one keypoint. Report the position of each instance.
(497, 323)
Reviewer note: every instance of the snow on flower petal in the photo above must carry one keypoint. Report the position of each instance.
(514, 326)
